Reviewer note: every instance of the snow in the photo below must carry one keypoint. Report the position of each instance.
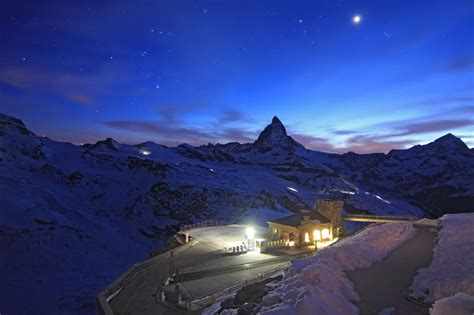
(226, 235)
(387, 311)
(452, 268)
(458, 304)
(68, 236)
(318, 285)
(214, 308)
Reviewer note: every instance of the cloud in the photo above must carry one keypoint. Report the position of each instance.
(80, 99)
(455, 65)
(416, 127)
(360, 144)
(173, 134)
(68, 86)
(344, 132)
(371, 144)
(458, 63)
(232, 116)
(396, 134)
(315, 143)
(445, 100)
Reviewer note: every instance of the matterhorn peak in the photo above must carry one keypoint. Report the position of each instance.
(274, 135)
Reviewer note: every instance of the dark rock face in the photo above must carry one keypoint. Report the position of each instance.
(274, 135)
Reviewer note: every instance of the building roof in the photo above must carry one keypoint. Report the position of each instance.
(295, 219)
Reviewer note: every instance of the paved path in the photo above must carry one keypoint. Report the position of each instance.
(139, 296)
(386, 283)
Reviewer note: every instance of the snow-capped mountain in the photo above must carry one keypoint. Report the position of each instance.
(74, 217)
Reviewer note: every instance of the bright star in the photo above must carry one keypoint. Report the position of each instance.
(356, 19)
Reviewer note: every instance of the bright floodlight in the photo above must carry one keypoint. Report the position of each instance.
(145, 152)
(250, 233)
(356, 19)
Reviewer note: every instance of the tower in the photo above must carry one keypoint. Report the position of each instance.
(332, 210)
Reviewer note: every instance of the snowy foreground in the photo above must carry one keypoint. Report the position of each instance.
(318, 285)
(452, 268)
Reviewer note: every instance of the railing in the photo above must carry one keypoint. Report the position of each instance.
(202, 224)
(114, 289)
(215, 296)
(377, 218)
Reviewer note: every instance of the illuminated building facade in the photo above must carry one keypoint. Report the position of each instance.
(309, 226)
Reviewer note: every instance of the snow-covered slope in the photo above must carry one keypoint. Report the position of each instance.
(437, 176)
(74, 217)
(318, 284)
(452, 268)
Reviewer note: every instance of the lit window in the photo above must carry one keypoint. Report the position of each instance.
(317, 235)
(291, 243)
(306, 237)
(325, 233)
(276, 231)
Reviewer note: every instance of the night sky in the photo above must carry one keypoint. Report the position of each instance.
(218, 71)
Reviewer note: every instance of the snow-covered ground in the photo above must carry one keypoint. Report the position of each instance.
(458, 304)
(452, 268)
(318, 285)
(75, 217)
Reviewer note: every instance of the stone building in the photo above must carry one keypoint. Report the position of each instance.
(322, 223)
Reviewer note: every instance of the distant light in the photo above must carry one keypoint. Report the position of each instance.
(347, 192)
(211, 169)
(250, 233)
(380, 198)
(292, 189)
(145, 152)
(356, 19)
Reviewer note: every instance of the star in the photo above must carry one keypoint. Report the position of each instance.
(300, 21)
(157, 86)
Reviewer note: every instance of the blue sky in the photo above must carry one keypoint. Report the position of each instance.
(218, 71)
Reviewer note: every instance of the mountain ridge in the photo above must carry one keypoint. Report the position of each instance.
(78, 202)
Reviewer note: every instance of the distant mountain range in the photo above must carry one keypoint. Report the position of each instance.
(74, 217)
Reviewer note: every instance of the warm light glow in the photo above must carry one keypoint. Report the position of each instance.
(356, 19)
(291, 243)
(306, 237)
(250, 233)
(323, 244)
(275, 231)
(317, 235)
(325, 233)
